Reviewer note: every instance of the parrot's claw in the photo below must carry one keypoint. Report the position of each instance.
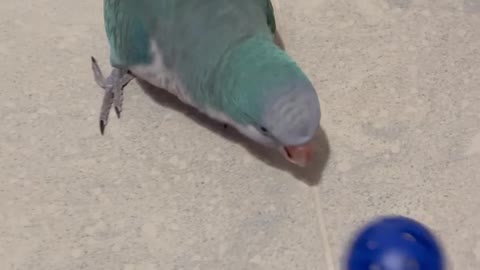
(113, 86)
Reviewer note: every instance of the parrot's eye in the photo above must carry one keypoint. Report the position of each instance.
(264, 129)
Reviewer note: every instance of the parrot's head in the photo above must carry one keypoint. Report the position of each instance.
(290, 120)
(272, 100)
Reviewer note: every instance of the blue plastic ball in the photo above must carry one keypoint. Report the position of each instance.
(395, 243)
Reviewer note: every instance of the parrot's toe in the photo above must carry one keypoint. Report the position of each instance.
(118, 110)
(102, 126)
(118, 100)
(105, 109)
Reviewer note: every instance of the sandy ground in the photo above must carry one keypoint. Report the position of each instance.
(165, 189)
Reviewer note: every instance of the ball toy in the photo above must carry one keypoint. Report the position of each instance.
(394, 243)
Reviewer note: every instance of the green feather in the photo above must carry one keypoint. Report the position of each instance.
(126, 33)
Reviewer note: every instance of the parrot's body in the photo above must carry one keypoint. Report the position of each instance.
(219, 56)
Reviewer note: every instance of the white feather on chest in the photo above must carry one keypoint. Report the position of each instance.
(157, 74)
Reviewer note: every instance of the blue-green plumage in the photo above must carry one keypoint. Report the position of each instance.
(220, 57)
(127, 33)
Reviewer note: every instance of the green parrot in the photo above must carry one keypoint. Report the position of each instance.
(223, 57)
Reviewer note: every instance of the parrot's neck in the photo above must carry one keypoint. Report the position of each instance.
(249, 73)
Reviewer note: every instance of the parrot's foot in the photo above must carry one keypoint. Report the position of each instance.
(113, 86)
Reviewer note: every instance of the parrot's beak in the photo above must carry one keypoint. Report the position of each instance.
(299, 155)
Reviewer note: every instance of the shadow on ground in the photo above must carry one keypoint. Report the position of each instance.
(310, 175)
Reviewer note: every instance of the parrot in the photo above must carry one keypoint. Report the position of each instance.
(225, 58)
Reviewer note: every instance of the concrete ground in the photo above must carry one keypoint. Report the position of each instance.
(164, 189)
